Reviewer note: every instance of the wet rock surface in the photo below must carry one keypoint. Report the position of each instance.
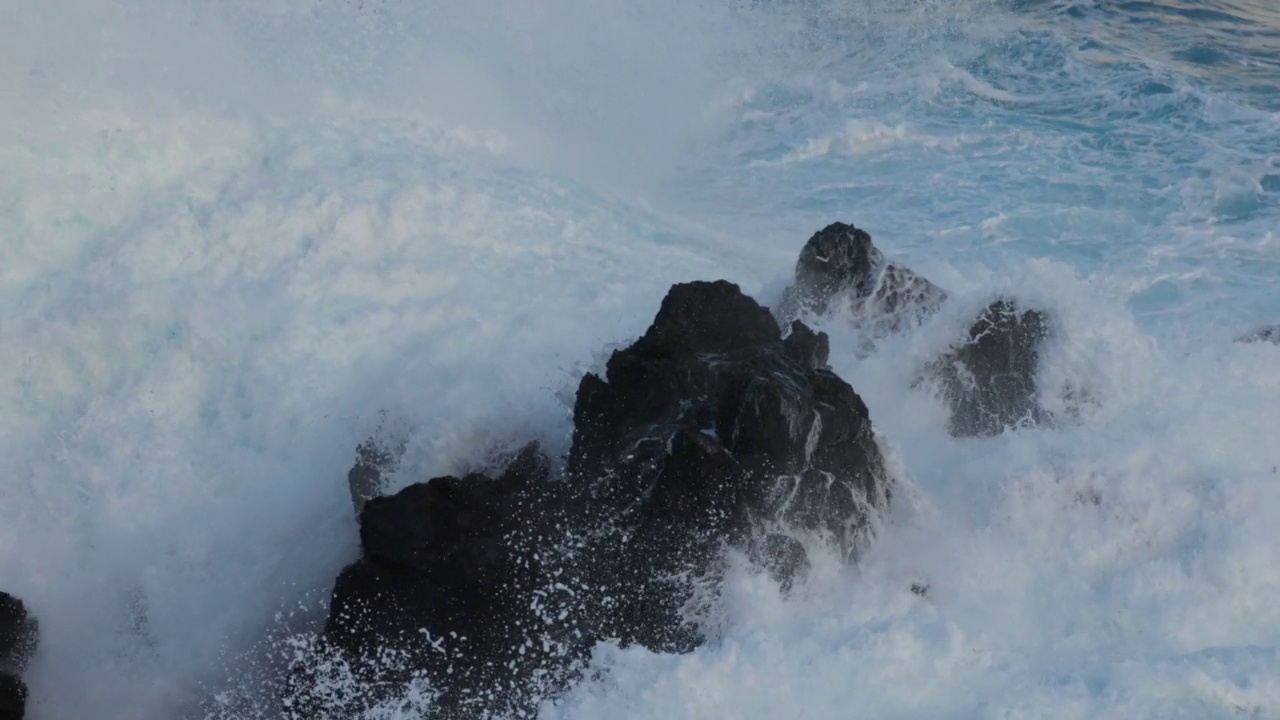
(841, 271)
(709, 427)
(490, 590)
(713, 430)
(988, 378)
(19, 636)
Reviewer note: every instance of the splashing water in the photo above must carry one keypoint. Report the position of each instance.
(236, 238)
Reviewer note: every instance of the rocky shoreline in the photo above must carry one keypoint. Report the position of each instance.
(715, 429)
(721, 427)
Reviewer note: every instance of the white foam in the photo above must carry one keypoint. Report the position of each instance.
(1111, 567)
(232, 236)
(191, 381)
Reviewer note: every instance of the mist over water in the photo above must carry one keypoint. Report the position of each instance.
(236, 238)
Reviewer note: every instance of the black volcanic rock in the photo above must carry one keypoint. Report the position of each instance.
(19, 635)
(461, 582)
(989, 379)
(806, 347)
(700, 440)
(747, 428)
(709, 431)
(13, 697)
(841, 271)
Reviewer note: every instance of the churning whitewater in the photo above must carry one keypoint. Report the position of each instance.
(237, 239)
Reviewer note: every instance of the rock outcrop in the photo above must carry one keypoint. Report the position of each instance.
(988, 379)
(710, 431)
(19, 635)
(713, 429)
(461, 586)
(840, 271)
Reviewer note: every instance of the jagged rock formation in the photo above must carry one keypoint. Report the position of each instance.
(708, 427)
(988, 379)
(840, 271)
(711, 430)
(457, 587)
(19, 635)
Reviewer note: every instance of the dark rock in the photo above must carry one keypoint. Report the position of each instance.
(690, 451)
(13, 697)
(705, 317)
(19, 636)
(453, 586)
(1264, 333)
(989, 379)
(742, 431)
(841, 271)
(709, 431)
(807, 348)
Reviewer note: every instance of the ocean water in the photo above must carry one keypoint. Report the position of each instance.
(237, 237)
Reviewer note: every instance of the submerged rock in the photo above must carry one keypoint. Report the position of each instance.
(19, 636)
(840, 271)
(709, 431)
(989, 379)
(1263, 333)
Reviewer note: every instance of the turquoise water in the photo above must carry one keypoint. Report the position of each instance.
(237, 237)
(1137, 142)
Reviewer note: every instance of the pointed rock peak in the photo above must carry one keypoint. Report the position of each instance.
(841, 272)
(707, 317)
(835, 257)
